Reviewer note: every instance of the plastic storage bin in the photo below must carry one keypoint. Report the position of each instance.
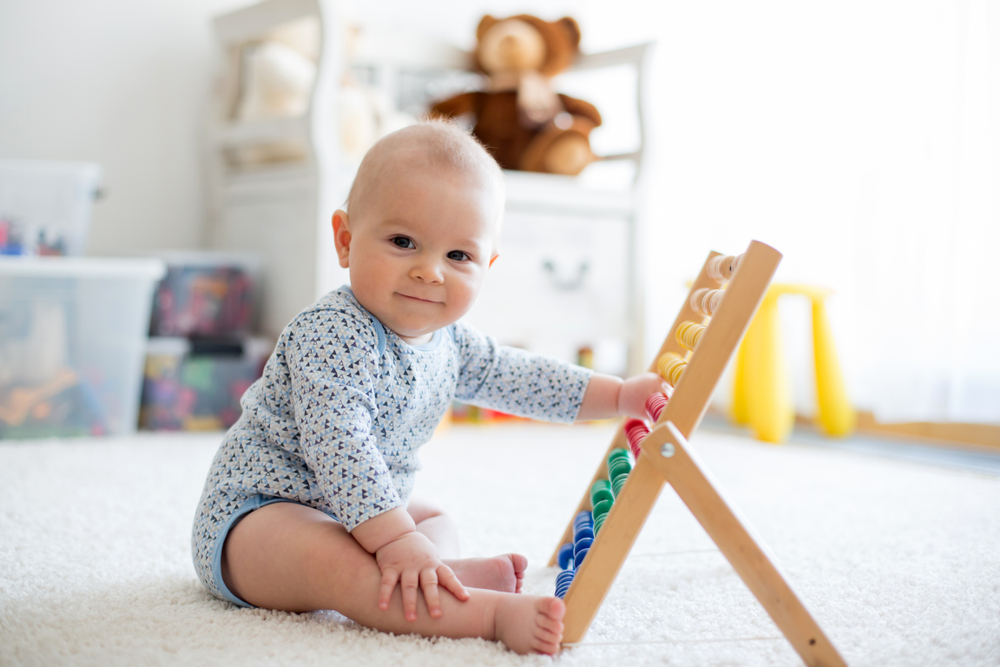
(197, 385)
(72, 343)
(205, 294)
(45, 206)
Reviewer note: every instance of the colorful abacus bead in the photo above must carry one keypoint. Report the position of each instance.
(722, 267)
(635, 431)
(602, 508)
(601, 490)
(620, 453)
(618, 467)
(706, 301)
(689, 333)
(580, 549)
(566, 556)
(655, 404)
(583, 519)
(616, 487)
(598, 524)
(670, 367)
(563, 581)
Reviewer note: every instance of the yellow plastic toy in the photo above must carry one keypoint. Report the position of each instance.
(761, 393)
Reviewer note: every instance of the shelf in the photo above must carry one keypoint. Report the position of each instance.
(565, 195)
(260, 132)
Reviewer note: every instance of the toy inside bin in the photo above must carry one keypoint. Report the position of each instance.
(205, 294)
(72, 344)
(197, 385)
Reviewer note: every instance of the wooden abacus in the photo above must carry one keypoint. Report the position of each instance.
(716, 314)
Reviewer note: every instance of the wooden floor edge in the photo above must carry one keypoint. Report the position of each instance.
(941, 433)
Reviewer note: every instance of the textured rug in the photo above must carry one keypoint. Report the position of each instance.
(898, 561)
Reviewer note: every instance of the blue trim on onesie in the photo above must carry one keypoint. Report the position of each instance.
(430, 345)
(252, 503)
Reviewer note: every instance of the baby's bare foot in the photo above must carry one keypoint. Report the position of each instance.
(501, 573)
(529, 624)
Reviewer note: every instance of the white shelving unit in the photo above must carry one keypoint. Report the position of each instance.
(282, 211)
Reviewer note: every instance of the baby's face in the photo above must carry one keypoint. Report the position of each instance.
(419, 253)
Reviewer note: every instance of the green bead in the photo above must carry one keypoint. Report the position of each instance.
(600, 484)
(617, 484)
(619, 467)
(598, 524)
(602, 508)
(599, 495)
(618, 453)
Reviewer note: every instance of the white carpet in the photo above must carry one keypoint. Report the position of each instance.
(899, 562)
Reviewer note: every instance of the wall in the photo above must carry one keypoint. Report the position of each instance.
(123, 84)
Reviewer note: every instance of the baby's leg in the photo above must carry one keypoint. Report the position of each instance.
(501, 573)
(294, 558)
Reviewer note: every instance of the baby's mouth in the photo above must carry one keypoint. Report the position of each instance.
(417, 298)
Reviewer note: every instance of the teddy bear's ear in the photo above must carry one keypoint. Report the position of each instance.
(572, 29)
(485, 24)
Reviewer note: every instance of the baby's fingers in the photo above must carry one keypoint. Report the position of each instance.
(408, 582)
(429, 585)
(448, 579)
(389, 579)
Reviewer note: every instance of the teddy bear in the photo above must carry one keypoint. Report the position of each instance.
(519, 117)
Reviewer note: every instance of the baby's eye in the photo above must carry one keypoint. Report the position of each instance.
(458, 256)
(403, 242)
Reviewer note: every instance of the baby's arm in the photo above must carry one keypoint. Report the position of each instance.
(608, 396)
(406, 556)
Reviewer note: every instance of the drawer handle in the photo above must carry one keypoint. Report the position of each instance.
(566, 284)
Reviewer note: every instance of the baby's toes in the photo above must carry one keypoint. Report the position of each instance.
(551, 608)
(520, 564)
(549, 624)
(546, 642)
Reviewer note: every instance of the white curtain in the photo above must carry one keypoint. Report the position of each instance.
(861, 139)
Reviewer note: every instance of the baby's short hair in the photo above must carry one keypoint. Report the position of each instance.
(437, 143)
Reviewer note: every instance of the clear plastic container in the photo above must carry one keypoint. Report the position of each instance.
(45, 206)
(73, 335)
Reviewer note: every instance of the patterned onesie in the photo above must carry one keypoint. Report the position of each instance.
(344, 404)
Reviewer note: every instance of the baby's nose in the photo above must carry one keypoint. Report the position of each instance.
(428, 271)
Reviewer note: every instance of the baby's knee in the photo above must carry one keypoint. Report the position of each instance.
(422, 510)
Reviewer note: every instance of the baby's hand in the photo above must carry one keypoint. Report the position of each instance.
(634, 392)
(413, 561)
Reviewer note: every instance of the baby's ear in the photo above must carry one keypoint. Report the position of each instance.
(342, 237)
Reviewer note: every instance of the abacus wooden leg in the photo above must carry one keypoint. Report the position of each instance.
(667, 449)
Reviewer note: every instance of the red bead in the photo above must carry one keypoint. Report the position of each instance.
(655, 404)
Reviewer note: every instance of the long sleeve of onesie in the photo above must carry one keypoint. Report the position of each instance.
(332, 370)
(516, 381)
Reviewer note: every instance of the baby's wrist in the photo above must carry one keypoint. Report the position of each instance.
(384, 529)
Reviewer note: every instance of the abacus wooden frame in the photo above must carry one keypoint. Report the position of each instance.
(682, 469)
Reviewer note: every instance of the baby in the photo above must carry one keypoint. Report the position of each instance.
(307, 504)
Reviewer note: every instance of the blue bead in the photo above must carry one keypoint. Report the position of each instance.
(565, 556)
(583, 533)
(581, 545)
(564, 576)
(580, 555)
